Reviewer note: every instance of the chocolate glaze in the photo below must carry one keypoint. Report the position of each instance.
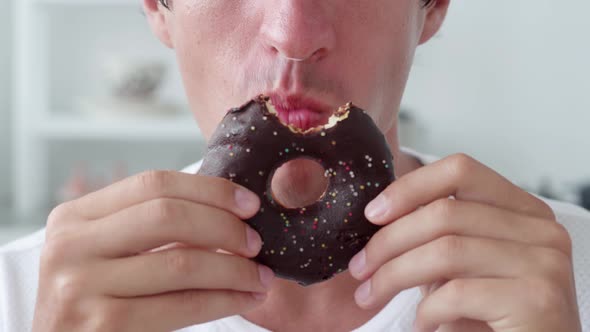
(311, 244)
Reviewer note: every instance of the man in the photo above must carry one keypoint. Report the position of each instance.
(462, 248)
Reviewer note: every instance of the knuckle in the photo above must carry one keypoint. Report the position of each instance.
(69, 289)
(55, 250)
(561, 238)
(155, 181)
(545, 296)
(554, 264)
(178, 261)
(450, 249)
(443, 210)
(460, 164)
(192, 299)
(456, 290)
(547, 210)
(109, 316)
(58, 215)
(163, 210)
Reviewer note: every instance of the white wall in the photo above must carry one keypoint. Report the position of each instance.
(5, 97)
(509, 83)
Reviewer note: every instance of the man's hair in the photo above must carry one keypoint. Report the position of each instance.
(425, 3)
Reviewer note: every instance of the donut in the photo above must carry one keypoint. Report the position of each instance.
(313, 243)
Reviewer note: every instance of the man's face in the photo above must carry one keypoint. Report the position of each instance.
(311, 56)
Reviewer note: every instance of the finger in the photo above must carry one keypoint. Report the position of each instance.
(181, 269)
(454, 257)
(173, 311)
(459, 176)
(147, 186)
(159, 222)
(485, 300)
(451, 217)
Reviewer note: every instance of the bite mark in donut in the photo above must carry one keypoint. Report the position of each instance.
(313, 243)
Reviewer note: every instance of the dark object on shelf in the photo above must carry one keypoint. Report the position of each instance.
(585, 196)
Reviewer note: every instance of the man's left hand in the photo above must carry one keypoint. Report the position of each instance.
(488, 255)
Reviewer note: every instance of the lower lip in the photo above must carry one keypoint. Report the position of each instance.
(302, 118)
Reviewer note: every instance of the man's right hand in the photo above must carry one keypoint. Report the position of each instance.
(141, 255)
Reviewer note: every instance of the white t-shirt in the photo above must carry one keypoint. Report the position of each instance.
(19, 265)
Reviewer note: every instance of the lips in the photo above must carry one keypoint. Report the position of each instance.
(300, 112)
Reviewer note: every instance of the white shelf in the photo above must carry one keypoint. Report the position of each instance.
(44, 86)
(128, 128)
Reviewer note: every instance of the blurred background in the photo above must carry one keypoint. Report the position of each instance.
(88, 96)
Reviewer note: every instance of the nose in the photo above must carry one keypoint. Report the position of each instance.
(299, 30)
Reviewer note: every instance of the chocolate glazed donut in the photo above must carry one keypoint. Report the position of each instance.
(314, 243)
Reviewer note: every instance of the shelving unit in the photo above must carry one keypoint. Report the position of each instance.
(41, 90)
(64, 127)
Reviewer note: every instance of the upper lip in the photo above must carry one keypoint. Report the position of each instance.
(288, 102)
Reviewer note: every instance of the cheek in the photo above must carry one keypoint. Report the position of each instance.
(206, 40)
(382, 46)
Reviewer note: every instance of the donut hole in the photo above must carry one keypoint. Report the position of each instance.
(298, 183)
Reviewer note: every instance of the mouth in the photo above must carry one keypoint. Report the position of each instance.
(298, 112)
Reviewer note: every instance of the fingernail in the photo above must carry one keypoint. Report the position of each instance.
(253, 240)
(357, 263)
(266, 275)
(246, 200)
(363, 293)
(376, 208)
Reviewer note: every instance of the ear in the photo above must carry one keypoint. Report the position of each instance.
(435, 16)
(156, 16)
